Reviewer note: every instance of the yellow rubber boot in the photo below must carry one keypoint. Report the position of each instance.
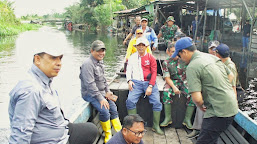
(116, 124)
(107, 130)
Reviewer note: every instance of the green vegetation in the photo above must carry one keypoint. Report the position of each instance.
(9, 24)
(99, 12)
(7, 44)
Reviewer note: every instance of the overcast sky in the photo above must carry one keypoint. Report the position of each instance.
(40, 7)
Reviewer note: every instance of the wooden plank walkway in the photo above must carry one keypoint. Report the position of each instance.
(171, 136)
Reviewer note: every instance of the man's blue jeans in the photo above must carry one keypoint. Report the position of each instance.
(245, 41)
(104, 114)
(138, 89)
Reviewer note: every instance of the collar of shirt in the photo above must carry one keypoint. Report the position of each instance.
(41, 75)
(146, 29)
(143, 55)
(96, 62)
(227, 61)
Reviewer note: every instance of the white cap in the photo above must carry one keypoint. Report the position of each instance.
(142, 40)
(213, 44)
(35, 42)
(50, 43)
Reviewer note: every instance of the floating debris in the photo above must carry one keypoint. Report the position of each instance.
(249, 103)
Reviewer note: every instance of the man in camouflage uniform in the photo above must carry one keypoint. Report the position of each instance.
(174, 73)
(168, 31)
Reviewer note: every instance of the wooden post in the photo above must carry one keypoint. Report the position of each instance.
(218, 18)
(155, 14)
(196, 30)
(215, 20)
(204, 25)
(249, 58)
(181, 18)
(222, 26)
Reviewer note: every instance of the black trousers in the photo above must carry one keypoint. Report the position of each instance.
(212, 128)
(82, 133)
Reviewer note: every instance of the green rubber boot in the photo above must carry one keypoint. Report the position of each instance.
(156, 121)
(187, 119)
(167, 120)
(132, 111)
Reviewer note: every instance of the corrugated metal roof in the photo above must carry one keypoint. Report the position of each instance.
(212, 4)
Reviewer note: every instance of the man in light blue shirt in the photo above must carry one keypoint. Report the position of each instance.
(34, 109)
(149, 34)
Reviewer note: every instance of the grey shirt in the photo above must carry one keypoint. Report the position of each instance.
(34, 111)
(93, 82)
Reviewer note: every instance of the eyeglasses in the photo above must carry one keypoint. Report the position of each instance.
(138, 133)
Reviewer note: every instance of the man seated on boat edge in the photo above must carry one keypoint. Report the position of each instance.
(132, 49)
(133, 31)
(149, 34)
(209, 84)
(35, 113)
(94, 89)
(132, 132)
(174, 73)
(141, 77)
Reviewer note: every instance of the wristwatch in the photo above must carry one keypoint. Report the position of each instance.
(151, 86)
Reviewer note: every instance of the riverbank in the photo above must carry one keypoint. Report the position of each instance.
(13, 29)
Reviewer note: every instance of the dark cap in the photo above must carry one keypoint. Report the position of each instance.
(222, 50)
(182, 43)
(97, 45)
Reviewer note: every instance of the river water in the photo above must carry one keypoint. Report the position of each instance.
(13, 64)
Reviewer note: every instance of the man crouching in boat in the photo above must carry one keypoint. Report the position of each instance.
(141, 77)
(34, 110)
(94, 89)
(132, 132)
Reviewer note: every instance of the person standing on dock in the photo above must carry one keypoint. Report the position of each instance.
(94, 89)
(210, 88)
(141, 77)
(35, 113)
(193, 28)
(168, 31)
(174, 73)
(246, 35)
(149, 34)
(132, 132)
(133, 31)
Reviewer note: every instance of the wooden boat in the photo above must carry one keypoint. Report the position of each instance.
(242, 131)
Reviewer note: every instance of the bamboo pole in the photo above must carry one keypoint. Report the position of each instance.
(204, 25)
(246, 7)
(155, 14)
(196, 30)
(249, 58)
